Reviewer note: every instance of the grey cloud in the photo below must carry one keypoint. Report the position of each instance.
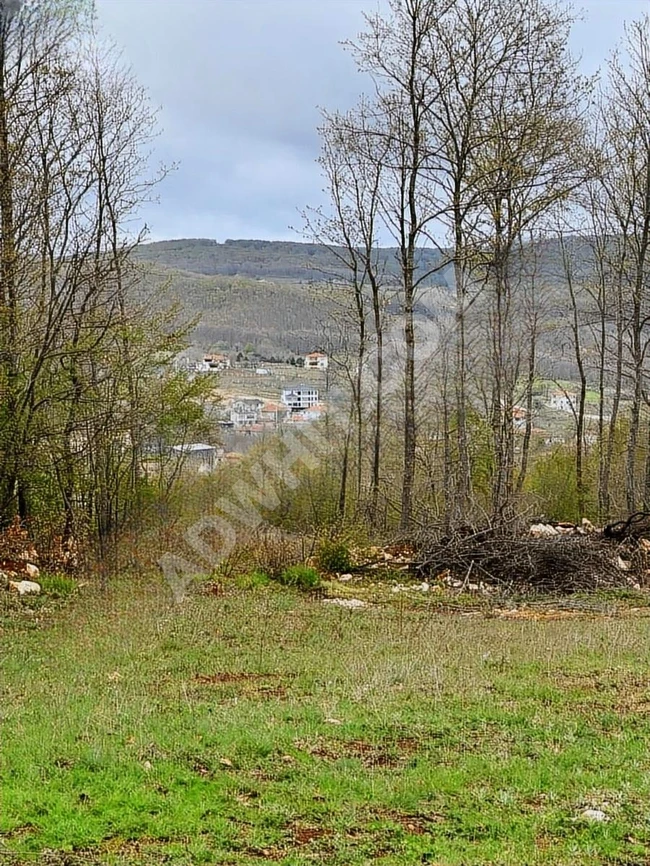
(240, 82)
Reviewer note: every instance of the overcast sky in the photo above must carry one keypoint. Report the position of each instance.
(239, 83)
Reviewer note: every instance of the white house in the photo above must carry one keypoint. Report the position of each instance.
(316, 361)
(299, 397)
(213, 363)
(563, 402)
(245, 411)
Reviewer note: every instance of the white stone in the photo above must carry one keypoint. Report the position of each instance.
(25, 587)
(32, 570)
(350, 603)
(543, 530)
(594, 815)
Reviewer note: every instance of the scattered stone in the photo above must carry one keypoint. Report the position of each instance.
(622, 564)
(333, 722)
(32, 570)
(349, 603)
(345, 577)
(25, 587)
(594, 815)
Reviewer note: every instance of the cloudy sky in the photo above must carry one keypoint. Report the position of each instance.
(239, 84)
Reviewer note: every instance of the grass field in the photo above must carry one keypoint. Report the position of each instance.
(266, 726)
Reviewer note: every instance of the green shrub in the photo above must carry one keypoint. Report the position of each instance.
(253, 580)
(57, 585)
(334, 556)
(300, 576)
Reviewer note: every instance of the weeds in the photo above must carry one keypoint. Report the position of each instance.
(300, 577)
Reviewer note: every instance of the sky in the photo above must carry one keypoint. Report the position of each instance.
(240, 83)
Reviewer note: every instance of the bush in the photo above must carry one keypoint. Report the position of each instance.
(253, 580)
(334, 556)
(301, 577)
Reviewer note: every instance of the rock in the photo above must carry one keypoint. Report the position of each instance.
(32, 570)
(587, 525)
(25, 587)
(622, 564)
(345, 577)
(594, 815)
(350, 603)
(543, 530)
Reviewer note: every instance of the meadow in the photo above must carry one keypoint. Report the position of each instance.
(260, 724)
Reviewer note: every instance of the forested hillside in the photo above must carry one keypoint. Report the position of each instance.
(278, 318)
(272, 260)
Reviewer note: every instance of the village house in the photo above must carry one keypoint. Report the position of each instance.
(305, 416)
(299, 397)
(273, 413)
(213, 363)
(316, 361)
(246, 411)
(519, 417)
(562, 401)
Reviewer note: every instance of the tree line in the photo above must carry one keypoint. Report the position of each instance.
(481, 140)
(86, 382)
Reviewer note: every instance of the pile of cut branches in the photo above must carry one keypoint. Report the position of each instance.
(523, 563)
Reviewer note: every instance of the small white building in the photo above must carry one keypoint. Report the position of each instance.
(563, 402)
(246, 411)
(316, 361)
(299, 397)
(213, 363)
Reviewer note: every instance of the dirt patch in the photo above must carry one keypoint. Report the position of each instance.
(271, 854)
(391, 755)
(627, 695)
(303, 835)
(230, 677)
(416, 824)
(254, 685)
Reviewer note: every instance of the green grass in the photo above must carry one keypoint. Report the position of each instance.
(262, 725)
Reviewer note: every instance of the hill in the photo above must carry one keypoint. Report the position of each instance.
(270, 294)
(271, 260)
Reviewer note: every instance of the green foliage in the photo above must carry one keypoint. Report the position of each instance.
(57, 585)
(334, 556)
(300, 577)
(254, 580)
(552, 480)
(481, 456)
